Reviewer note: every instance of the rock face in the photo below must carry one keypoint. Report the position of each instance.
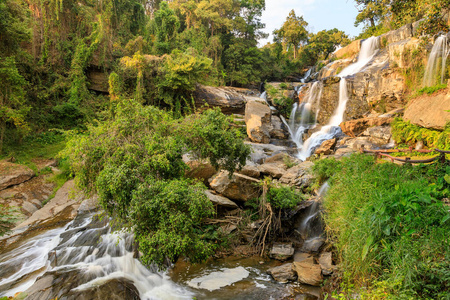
(258, 121)
(199, 169)
(238, 187)
(283, 273)
(349, 51)
(308, 273)
(326, 263)
(278, 129)
(229, 100)
(379, 135)
(281, 251)
(430, 111)
(298, 175)
(354, 128)
(13, 174)
(400, 34)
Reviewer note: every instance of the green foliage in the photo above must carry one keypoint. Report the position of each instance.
(293, 32)
(283, 197)
(167, 218)
(431, 89)
(7, 218)
(404, 132)
(389, 225)
(325, 42)
(134, 162)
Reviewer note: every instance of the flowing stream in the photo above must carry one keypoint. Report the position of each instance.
(437, 58)
(369, 48)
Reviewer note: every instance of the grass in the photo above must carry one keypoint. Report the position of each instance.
(389, 226)
(431, 89)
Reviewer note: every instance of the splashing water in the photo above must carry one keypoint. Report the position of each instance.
(369, 49)
(441, 51)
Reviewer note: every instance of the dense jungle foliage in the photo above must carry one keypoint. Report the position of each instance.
(390, 227)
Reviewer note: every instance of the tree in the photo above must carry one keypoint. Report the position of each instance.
(293, 32)
(134, 162)
(371, 12)
(166, 26)
(325, 42)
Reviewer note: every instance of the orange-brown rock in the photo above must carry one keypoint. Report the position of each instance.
(326, 147)
(355, 127)
(430, 111)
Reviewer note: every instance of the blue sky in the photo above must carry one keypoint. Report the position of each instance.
(320, 14)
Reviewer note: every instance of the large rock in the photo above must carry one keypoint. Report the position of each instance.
(238, 187)
(276, 170)
(220, 200)
(283, 273)
(258, 121)
(402, 33)
(98, 79)
(282, 251)
(199, 169)
(294, 175)
(308, 273)
(229, 100)
(251, 171)
(354, 128)
(13, 174)
(430, 111)
(399, 52)
(334, 67)
(326, 147)
(349, 51)
(278, 130)
(326, 263)
(379, 135)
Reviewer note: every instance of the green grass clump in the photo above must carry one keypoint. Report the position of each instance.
(431, 89)
(389, 226)
(283, 197)
(405, 133)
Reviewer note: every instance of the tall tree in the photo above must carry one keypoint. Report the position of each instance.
(293, 32)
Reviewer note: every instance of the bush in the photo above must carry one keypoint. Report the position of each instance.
(283, 197)
(389, 225)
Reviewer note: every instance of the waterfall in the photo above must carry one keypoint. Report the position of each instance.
(440, 50)
(302, 117)
(369, 49)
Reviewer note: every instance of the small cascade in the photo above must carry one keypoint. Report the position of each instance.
(369, 49)
(91, 251)
(439, 53)
(302, 116)
(311, 227)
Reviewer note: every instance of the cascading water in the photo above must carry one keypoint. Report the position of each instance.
(369, 49)
(302, 117)
(440, 51)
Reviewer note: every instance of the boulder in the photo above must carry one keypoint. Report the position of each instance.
(238, 187)
(199, 169)
(283, 273)
(429, 111)
(276, 170)
(13, 174)
(278, 129)
(303, 257)
(326, 263)
(98, 79)
(229, 100)
(308, 273)
(220, 200)
(282, 251)
(354, 128)
(399, 52)
(258, 121)
(326, 147)
(251, 171)
(335, 67)
(379, 135)
(293, 175)
(356, 143)
(313, 245)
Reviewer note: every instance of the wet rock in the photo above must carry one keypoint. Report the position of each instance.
(429, 111)
(220, 200)
(308, 273)
(313, 245)
(326, 263)
(89, 205)
(354, 128)
(13, 174)
(216, 280)
(238, 187)
(326, 147)
(278, 129)
(283, 273)
(334, 68)
(258, 121)
(282, 251)
(29, 208)
(229, 100)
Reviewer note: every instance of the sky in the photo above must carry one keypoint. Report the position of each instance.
(320, 15)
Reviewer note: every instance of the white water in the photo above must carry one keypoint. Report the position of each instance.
(441, 51)
(107, 256)
(302, 117)
(369, 49)
(306, 229)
